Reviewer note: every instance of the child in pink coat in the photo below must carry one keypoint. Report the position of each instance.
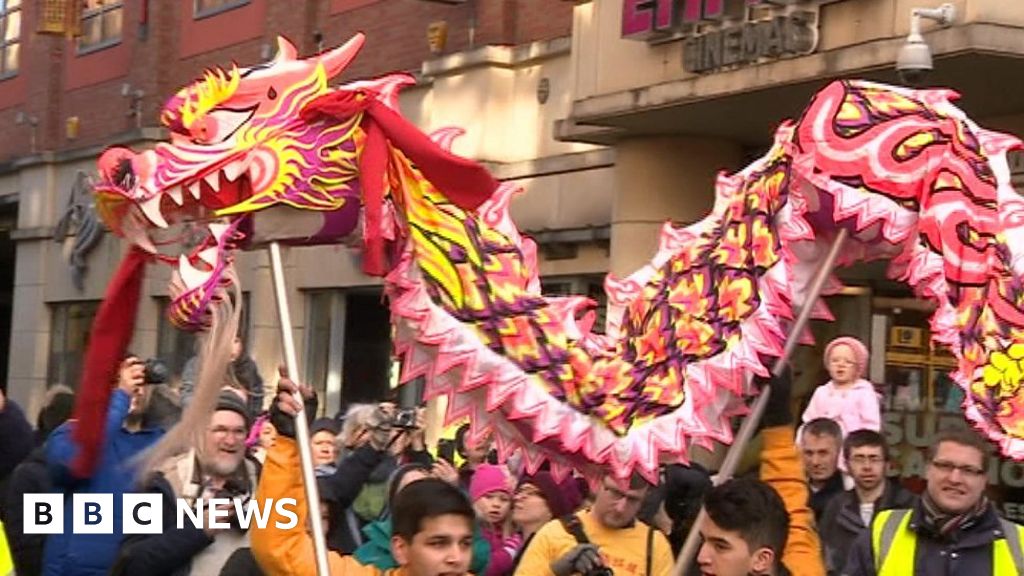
(847, 398)
(491, 494)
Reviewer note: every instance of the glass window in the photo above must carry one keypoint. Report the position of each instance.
(203, 8)
(321, 312)
(173, 346)
(348, 346)
(10, 36)
(102, 21)
(176, 347)
(69, 338)
(590, 286)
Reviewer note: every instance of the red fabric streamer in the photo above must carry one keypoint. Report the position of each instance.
(465, 182)
(109, 337)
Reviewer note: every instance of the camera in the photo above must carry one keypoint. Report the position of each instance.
(601, 571)
(446, 450)
(156, 371)
(404, 419)
(233, 489)
(914, 63)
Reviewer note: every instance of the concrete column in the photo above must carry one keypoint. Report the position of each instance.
(659, 179)
(265, 336)
(30, 327)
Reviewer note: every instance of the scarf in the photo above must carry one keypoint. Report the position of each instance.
(945, 524)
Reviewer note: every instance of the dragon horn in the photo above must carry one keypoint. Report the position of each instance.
(285, 50)
(336, 60)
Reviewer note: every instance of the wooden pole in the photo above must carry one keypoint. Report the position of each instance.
(750, 424)
(301, 426)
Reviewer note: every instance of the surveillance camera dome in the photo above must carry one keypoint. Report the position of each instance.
(914, 61)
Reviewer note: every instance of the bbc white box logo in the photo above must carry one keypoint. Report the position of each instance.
(142, 514)
(43, 514)
(92, 514)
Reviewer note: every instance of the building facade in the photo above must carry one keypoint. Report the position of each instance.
(614, 116)
(683, 88)
(497, 68)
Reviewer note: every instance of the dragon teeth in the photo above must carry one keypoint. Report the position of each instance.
(213, 179)
(191, 277)
(151, 208)
(236, 168)
(217, 229)
(193, 189)
(209, 256)
(177, 194)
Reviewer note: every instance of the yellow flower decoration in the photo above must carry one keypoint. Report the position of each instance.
(1005, 370)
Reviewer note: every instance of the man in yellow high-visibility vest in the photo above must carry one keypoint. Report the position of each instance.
(6, 562)
(953, 529)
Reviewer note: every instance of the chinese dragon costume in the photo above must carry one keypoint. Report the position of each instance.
(273, 151)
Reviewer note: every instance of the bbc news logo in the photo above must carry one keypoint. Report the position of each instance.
(144, 513)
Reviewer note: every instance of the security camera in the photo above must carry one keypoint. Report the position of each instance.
(914, 61)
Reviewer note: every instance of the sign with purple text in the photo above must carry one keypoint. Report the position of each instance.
(718, 34)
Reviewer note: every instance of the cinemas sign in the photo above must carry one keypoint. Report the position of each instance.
(723, 33)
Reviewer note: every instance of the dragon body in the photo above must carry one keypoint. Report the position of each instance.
(273, 148)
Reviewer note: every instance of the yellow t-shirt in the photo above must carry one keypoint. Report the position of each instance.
(623, 550)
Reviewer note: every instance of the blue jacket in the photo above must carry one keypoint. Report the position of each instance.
(70, 554)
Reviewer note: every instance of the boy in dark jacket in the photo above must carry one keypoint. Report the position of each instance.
(849, 514)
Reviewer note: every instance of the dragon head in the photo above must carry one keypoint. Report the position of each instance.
(238, 144)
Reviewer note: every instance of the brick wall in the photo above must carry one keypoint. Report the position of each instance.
(50, 83)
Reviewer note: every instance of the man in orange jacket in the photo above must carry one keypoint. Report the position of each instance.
(764, 527)
(432, 521)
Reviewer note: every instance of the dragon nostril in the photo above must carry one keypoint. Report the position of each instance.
(124, 174)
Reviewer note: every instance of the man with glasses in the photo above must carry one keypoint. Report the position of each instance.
(605, 540)
(216, 468)
(953, 529)
(849, 514)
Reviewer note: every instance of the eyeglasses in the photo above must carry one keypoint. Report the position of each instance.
(222, 431)
(948, 467)
(527, 491)
(864, 459)
(618, 496)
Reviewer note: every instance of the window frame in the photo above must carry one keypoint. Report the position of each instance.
(226, 6)
(589, 285)
(5, 12)
(57, 369)
(83, 49)
(170, 339)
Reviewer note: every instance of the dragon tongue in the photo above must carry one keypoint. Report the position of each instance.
(190, 276)
(151, 208)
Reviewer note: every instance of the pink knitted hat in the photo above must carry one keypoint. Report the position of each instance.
(860, 352)
(486, 479)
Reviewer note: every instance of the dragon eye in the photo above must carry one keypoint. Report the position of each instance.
(220, 124)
